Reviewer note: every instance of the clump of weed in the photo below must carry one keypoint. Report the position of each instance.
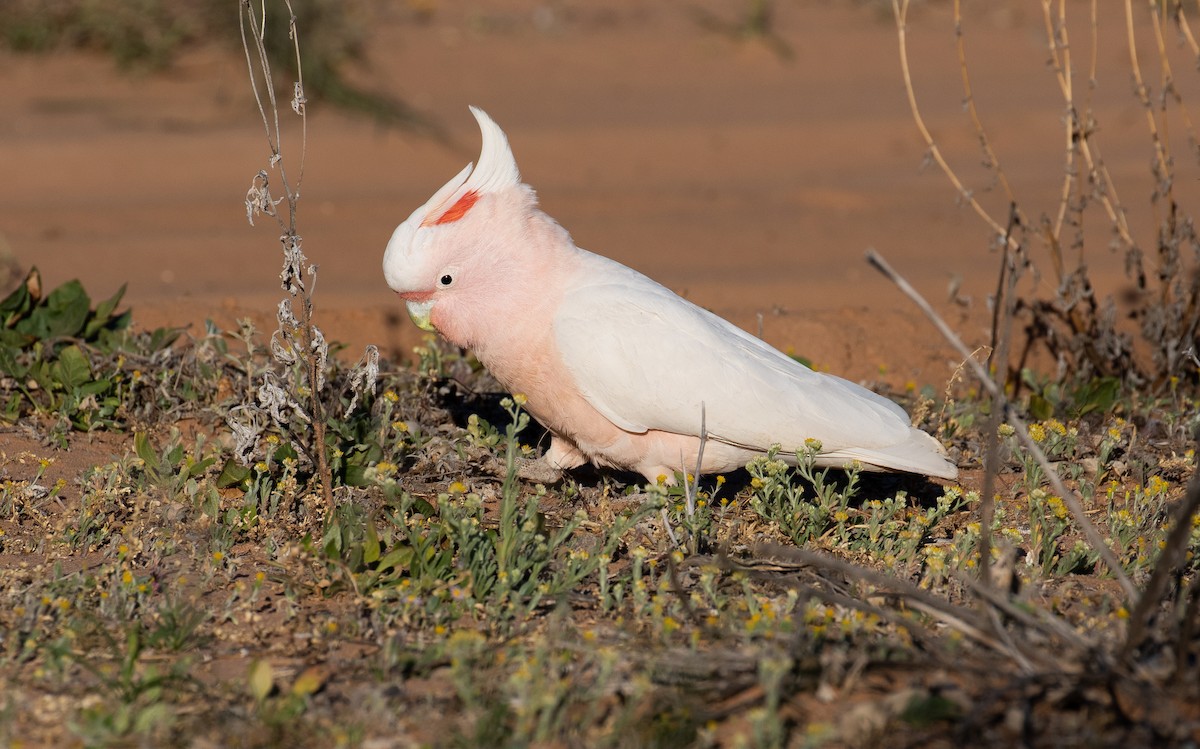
(293, 397)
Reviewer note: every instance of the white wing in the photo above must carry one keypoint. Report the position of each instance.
(648, 359)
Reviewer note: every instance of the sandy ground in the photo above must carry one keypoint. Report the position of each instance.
(750, 182)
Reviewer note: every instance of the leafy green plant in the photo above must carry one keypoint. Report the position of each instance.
(777, 497)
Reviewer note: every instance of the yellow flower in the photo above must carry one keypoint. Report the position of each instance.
(457, 487)
(218, 556)
(400, 426)
(1157, 485)
(1057, 506)
(390, 396)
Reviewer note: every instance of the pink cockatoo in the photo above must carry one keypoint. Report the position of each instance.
(620, 370)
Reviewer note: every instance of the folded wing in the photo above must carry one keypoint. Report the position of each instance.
(647, 359)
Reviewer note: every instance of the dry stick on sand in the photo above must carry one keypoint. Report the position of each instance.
(1018, 424)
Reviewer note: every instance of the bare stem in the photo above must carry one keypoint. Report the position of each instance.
(1070, 498)
(299, 278)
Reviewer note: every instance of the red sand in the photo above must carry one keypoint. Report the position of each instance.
(751, 183)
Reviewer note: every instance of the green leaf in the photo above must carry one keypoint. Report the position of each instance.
(260, 680)
(1040, 408)
(233, 473)
(23, 298)
(72, 369)
(1098, 394)
(104, 314)
(398, 557)
(370, 543)
(200, 467)
(145, 451)
(94, 387)
(63, 315)
(9, 363)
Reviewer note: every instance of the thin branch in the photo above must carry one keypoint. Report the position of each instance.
(969, 96)
(900, 11)
(1070, 498)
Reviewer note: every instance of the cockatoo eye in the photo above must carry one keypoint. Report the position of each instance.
(446, 280)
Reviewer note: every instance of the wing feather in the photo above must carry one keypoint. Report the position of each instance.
(647, 359)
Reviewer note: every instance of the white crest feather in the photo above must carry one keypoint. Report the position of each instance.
(497, 169)
(442, 198)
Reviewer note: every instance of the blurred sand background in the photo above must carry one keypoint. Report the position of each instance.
(747, 180)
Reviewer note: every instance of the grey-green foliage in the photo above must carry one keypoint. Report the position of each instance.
(150, 35)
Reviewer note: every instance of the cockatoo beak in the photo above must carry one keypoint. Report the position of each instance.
(420, 313)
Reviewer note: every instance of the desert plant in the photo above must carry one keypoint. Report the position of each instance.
(294, 397)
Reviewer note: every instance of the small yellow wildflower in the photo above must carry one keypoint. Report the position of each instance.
(1057, 506)
(1037, 432)
(1157, 485)
(457, 487)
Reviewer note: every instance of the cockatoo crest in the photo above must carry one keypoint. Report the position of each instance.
(496, 171)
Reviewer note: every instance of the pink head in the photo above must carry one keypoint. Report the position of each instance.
(454, 250)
